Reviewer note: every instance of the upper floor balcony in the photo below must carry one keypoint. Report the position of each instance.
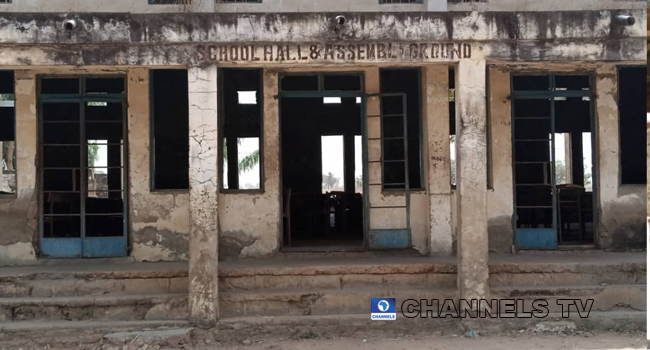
(288, 6)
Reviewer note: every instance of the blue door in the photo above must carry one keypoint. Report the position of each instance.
(83, 198)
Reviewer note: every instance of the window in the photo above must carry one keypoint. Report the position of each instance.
(5, 1)
(632, 124)
(333, 163)
(169, 129)
(7, 134)
(240, 120)
(407, 81)
(452, 125)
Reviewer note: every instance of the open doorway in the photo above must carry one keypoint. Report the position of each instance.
(322, 160)
(553, 142)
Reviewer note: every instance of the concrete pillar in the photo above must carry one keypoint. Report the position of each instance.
(608, 152)
(472, 182)
(436, 124)
(204, 225)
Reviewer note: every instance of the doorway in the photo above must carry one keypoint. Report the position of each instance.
(83, 162)
(323, 148)
(554, 174)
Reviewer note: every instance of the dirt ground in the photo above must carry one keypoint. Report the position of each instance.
(514, 340)
(610, 341)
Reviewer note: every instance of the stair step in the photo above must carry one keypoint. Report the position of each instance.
(113, 326)
(105, 307)
(357, 301)
(92, 287)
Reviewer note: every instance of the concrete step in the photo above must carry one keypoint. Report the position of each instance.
(418, 273)
(20, 327)
(357, 301)
(92, 287)
(630, 297)
(105, 307)
(67, 280)
(573, 273)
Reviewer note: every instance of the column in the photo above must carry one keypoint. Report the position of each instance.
(471, 181)
(607, 146)
(436, 112)
(204, 232)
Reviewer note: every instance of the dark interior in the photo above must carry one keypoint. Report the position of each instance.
(402, 80)
(170, 127)
(322, 207)
(83, 155)
(632, 124)
(533, 159)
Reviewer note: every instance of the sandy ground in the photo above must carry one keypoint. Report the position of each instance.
(514, 340)
(608, 341)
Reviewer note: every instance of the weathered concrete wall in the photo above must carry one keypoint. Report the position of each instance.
(18, 214)
(328, 6)
(250, 222)
(621, 208)
(159, 220)
(547, 5)
(76, 6)
(137, 6)
(500, 196)
(124, 39)
(436, 126)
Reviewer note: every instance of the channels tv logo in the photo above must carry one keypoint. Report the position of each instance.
(383, 309)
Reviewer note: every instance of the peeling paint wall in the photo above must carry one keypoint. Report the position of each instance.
(500, 195)
(250, 222)
(159, 220)
(436, 144)
(18, 215)
(621, 208)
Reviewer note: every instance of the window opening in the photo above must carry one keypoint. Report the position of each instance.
(170, 148)
(8, 183)
(241, 121)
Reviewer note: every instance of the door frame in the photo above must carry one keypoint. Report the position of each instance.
(364, 143)
(82, 247)
(552, 94)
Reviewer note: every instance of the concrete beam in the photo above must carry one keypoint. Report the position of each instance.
(471, 180)
(204, 229)
(190, 38)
